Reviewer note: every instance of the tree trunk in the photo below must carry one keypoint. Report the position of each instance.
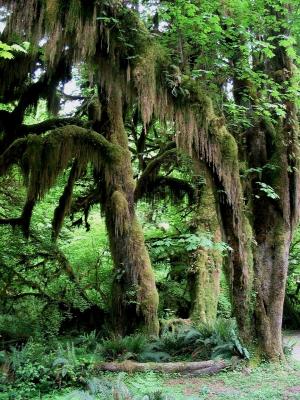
(272, 201)
(206, 271)
(273, 234)
(134, 294)
(271, 265)
(274, 214)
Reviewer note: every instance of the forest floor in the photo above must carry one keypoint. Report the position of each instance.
(267, 382)
(247, 381)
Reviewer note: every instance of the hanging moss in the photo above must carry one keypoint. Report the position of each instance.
(199, 129)
(52, 12)
(120, 212)
(46, 157)
(146, 82)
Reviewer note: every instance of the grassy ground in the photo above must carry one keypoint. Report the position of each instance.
(264, 382)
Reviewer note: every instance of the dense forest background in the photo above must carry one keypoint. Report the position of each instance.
(149, 196)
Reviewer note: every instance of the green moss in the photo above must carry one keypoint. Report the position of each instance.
(229, 147)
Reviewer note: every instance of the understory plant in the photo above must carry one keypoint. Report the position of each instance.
(179, 342)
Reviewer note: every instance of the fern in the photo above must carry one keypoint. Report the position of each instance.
(128, 347)
(88, 341)
(100, 387)
(80, 395)
(154, 356)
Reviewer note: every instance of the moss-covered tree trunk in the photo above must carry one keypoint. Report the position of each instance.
(205, 287)
(134, 294)
(271, 265)
(206, 271)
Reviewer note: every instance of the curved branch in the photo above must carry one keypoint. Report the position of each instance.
(84, 203)
(152, 170)
(161, 187)
(12, 155)
(158, 161)
(70, 140)
(48, 125)
(44, 158)
(65, 201)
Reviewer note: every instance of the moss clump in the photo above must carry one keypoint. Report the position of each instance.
(206, 288)
(229, 147)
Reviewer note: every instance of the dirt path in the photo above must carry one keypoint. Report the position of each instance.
(291, 338)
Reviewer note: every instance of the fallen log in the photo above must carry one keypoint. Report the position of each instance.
(195, 367)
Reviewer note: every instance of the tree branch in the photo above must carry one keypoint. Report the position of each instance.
(48, 125)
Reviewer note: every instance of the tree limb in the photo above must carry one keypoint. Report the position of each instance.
(48, 125)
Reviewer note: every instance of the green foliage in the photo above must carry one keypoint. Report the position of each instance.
(204, 342)
(178, 342)
(88, 341)
(107, 389)
(37, 368)
(268, 190)
(213, 46)
(128, 347)
(185, 243)
(8, 51)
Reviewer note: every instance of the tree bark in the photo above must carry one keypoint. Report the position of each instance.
(271, 265)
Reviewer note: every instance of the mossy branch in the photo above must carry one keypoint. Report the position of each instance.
(64, 202)
(42, 159)
(12, 155)
(48, 125)
(162, 187)
(152, 169)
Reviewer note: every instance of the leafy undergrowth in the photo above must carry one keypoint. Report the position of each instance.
(66, 369)
(178, 342)
(267, 382)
